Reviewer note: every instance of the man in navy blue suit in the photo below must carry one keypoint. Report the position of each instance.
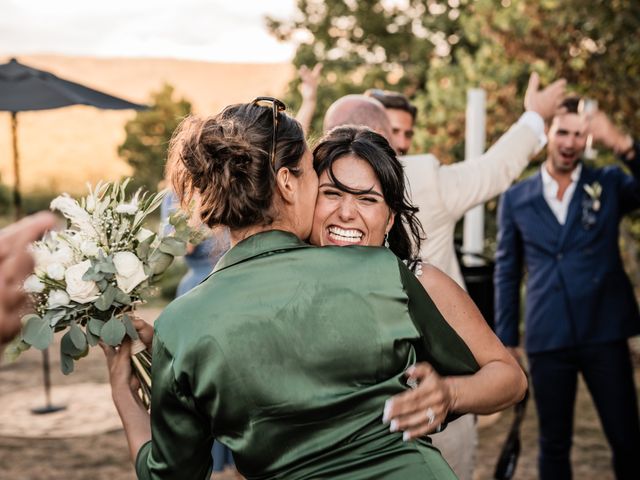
(561, 227)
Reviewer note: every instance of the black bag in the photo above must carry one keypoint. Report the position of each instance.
(508, 459)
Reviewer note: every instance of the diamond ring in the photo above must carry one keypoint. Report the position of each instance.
(431, 416)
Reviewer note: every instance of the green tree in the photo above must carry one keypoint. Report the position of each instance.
(148, 134)
(434, 50)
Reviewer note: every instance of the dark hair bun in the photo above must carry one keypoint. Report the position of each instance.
(223, 162)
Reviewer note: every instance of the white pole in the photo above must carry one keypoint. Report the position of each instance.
(475, 139)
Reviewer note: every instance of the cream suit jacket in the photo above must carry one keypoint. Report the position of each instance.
(444, 193)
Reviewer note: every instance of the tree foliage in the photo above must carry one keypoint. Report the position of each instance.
(434, 50)
(148, 134)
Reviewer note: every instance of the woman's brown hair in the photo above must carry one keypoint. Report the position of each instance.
(223, 162)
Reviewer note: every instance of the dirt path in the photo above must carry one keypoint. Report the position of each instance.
(105, 456)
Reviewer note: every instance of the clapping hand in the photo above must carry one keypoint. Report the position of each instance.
(422, 409)
(606, 133)
(547, 101)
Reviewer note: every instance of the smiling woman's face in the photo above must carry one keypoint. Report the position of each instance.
(343, 218)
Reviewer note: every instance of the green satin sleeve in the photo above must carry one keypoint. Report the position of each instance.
(175, 417)
(439, 345)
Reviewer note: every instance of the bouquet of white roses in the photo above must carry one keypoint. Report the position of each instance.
(89, 277)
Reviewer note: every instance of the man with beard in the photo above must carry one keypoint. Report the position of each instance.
(561, 225)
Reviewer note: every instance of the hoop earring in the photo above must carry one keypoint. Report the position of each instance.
(386, 240)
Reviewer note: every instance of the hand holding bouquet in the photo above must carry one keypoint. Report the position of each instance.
(89, 277)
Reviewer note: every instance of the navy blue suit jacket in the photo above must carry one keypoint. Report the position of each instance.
(577, 292)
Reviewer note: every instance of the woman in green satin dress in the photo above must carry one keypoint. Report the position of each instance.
(287, 352)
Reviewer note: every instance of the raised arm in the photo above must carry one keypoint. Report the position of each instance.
(606, 133)
(309, 91)
(499, 383)
(477, 180)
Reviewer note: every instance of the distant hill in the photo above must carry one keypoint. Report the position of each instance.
(62, 149)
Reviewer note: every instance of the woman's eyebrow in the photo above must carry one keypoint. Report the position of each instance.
(368, 192)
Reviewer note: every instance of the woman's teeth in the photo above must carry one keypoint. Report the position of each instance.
(342, 235)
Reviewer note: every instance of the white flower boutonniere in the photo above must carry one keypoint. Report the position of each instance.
(594, 191)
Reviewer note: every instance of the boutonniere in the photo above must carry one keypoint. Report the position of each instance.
(591, 204)
(594, 191)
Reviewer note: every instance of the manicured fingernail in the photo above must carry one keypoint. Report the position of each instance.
(387, 411)
(393, 426)
(406, 436)
(410, 370)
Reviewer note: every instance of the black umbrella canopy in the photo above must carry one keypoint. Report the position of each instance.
(24, 88)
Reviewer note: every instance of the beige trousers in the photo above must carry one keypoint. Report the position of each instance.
(458, 443)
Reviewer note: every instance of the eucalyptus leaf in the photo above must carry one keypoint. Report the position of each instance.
(113, 332)
(92, 339)
(67, 347)
(93, 274)
(104, 302)
(66, 364)
(107, 265)
(37, 332)
(122, 297)
(95, 326)
(159, 262)
(173, 246)
(128, 325)
(78, 337)
(142, 250)
(52, 317)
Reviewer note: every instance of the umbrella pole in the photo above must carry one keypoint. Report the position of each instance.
(48, 407)
(17, 200)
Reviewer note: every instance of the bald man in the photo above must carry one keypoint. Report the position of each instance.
(444, 193)
(15, 264)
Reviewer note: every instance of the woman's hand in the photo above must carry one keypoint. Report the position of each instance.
(124, 387)
(423, 409)
(145, 331)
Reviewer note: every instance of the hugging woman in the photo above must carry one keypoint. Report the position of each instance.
(287, 352)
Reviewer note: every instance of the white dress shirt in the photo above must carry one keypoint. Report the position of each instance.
(550, 192)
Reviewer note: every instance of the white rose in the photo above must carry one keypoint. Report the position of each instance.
(79, 290)
(58, 298)
(127, 208)
(89, 248)
(63, 255)
(143, 234)
(42, 258)
(129, 271)
(55, 271)
(33, 285)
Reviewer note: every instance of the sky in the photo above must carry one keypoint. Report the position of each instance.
(210, 30)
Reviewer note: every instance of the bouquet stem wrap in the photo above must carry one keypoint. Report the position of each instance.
(141, 365)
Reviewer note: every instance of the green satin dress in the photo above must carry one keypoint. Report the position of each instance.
(286, 354)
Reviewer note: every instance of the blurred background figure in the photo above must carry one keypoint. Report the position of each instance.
(562, 226)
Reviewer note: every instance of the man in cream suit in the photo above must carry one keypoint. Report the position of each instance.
(444, 193)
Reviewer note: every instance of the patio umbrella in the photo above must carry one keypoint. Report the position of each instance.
(24, 88)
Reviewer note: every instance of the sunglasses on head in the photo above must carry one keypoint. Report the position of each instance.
(277, 106)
